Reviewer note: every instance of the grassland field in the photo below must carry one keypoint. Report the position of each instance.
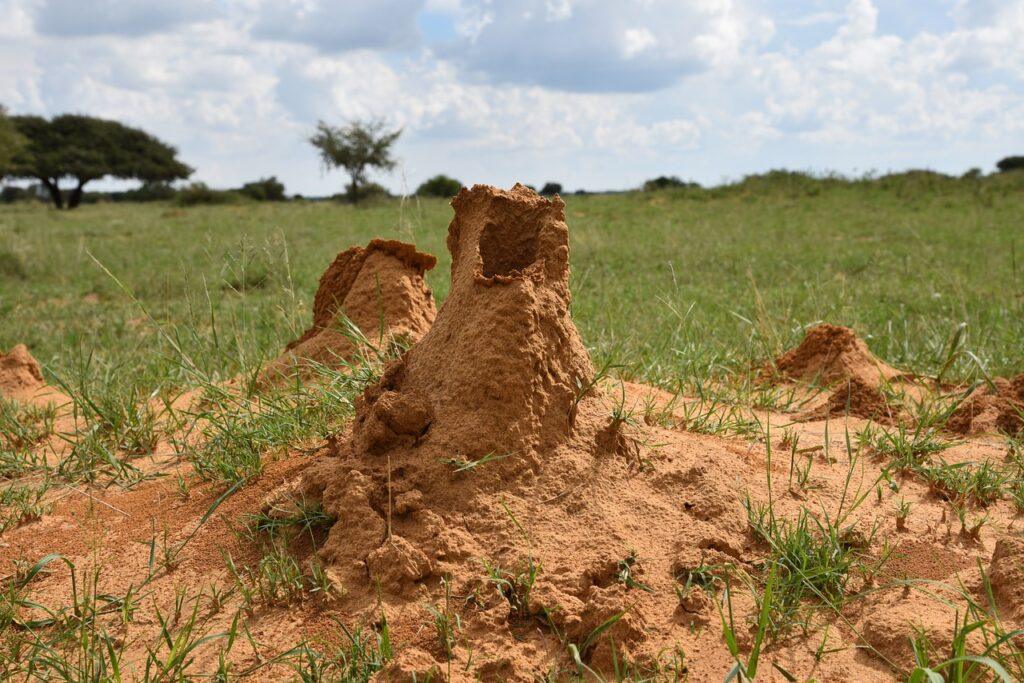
(688, 289)
(668, 285)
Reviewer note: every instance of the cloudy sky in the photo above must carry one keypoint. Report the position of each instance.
(591, 93)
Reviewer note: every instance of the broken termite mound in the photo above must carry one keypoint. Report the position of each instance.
(993, 407)
(20, 373)
(379, 289)
(486, 443)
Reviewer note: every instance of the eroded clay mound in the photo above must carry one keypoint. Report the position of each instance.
(20, 373)
(992, 409)
(832, 353)
(380, 289)
(486, 445)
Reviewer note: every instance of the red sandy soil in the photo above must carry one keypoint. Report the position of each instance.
(579, 486)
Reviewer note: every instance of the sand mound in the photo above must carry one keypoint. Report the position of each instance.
(380, 289)
(831, 353)
(20, 373)
(988, 409)
(482, 448)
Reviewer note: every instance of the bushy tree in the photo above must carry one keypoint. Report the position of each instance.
(85, 148)
(11, 141)
(551, 188)
(439, 186)
(264, 190)
(356, 147)
(1015, 163)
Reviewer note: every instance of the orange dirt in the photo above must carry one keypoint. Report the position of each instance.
(580, 482)
(380, 289)
(992, 409)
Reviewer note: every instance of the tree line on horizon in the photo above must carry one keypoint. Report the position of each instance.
(85, 148)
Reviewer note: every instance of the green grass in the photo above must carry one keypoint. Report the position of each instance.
(675, 283)
(127, 304)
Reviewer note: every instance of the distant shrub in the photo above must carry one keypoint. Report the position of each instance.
(972, 174)
(917, 183)
(551, 188)
(11, 194)
(364, 191)
(264, 190)
(665, 182)
(778, 182)
(439, 186)
(199, 194)
(1015, 163)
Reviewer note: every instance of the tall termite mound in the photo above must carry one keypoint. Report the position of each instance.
(497, 375)
(480, 450)
(380, 289)
(20, 373)
(499, 369)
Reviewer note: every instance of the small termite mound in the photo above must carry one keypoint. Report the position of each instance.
(830, 354)
(998, 407)
(20, 374)
(376, 293)
(502, 364)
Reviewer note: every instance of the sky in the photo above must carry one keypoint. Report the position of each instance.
(594, 94)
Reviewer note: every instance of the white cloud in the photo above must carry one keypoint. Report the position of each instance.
(528, 43)
(860, 85)
(636, 40)
(118, 17)
(335, 26)
(593, 93)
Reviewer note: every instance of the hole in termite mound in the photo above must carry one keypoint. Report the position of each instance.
(508, 247)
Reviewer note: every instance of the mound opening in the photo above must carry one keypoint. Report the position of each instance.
(507, 249)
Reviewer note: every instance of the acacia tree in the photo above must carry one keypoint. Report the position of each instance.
(356, 147)
(85, 148)
(10, 142)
